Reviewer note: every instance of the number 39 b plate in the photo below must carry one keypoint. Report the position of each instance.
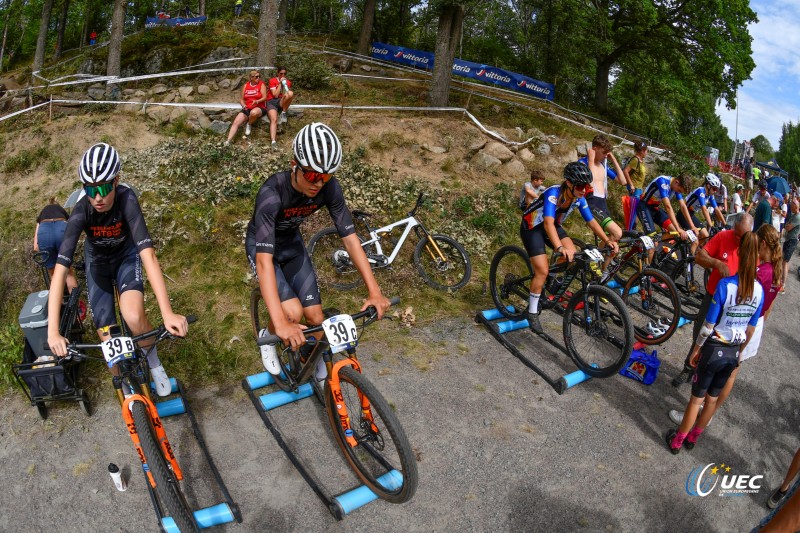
(341, 332)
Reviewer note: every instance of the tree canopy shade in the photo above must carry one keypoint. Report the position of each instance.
(789, 150)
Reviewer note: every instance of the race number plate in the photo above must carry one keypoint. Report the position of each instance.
(692, 236)
(118, 348)
(647, 242)
(341, 332)
(594, 255)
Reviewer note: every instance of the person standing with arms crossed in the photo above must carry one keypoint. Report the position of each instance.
(721, 256)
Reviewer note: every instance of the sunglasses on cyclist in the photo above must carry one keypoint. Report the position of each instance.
(580, 186)
(103, 189)
(314, 177)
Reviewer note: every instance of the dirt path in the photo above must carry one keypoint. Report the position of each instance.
(498, 449)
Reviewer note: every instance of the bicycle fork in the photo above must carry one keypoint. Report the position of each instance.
(341, 408)
(161, 435)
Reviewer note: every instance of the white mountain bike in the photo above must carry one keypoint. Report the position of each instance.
(441, 261)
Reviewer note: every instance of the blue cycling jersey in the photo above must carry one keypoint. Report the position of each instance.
(732, 319)
(546, 205)
(699, 198)
(659, 189)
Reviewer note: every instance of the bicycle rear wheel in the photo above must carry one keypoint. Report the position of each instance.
(450, 273)
(167, 488)
(598, 332)
(510, 275)
(382, 444)
(331, 261)
(653, 304)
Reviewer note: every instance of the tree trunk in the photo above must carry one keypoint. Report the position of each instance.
(601, 84)
(62, 25)
(202, 8)
(41, 41)
(9, 5)
(115, 43)
(267, 33)
(366, 27)
(447, 39)
(284, 6)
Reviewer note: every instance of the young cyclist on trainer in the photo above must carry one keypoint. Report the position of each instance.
(276, 250)
(117, 246)
(655, 206)
(541, 226)
(699, 200)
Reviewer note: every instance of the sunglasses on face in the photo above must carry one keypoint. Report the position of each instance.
(256, 76)
(104, 189)
(580, 186)
(314, 177)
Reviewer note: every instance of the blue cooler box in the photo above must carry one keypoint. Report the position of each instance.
(33, 321)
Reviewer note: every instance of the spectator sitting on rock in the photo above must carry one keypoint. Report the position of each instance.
(254, 96)
(531, 189)
(280, 97)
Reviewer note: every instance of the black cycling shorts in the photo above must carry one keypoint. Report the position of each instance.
(684, 223)
(100, 279)
(599, 209)
(536, 239)
(650, 215)
(717, 363)
(293, 270)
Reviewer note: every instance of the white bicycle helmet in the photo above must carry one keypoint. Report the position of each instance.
(712, 180)
(317, 147)
(100, 163)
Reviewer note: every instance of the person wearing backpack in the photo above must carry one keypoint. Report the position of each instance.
(635, 169)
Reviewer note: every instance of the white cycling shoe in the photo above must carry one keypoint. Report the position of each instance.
(160, 378)
(269, 356)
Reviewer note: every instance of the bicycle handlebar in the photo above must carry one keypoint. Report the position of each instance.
(75, 349)
(369, 312)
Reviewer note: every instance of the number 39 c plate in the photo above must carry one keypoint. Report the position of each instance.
(692, 236)
(341, 332)
(647, 242)
(117, 346)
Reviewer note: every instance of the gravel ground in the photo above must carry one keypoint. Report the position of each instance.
(498, 449)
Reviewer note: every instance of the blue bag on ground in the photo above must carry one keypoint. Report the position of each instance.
(642, 366)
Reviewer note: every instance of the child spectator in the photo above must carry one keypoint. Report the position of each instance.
(729, 326)
(531, 189)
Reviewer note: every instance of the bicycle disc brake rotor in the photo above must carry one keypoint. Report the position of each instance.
(341, 260)
(375, 437)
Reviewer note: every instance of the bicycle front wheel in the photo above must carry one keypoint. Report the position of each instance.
(654, 306)
(173, 503)
(690, 281)
(598, 332)
(331, 261)
(448, 270)
(510, 275)
(382, 449)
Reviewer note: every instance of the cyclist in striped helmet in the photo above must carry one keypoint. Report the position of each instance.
(117, 246)
(276, 250)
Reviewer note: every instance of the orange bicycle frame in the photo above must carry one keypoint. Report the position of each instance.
(161, 435)
(336, 390)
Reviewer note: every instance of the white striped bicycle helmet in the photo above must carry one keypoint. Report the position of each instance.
(712, 180)
(100, 163)
(317, 147)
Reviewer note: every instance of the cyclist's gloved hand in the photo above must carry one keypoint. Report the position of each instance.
(291, 334)
(176, 324)
(57, 344)
(379, 301)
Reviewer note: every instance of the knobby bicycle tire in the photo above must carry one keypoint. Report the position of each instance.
(510, 275)
(331, 262)
(608, 320)
(169, 493)
(692, 291)
(656, 291)
(376, 453)
(453, 273)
